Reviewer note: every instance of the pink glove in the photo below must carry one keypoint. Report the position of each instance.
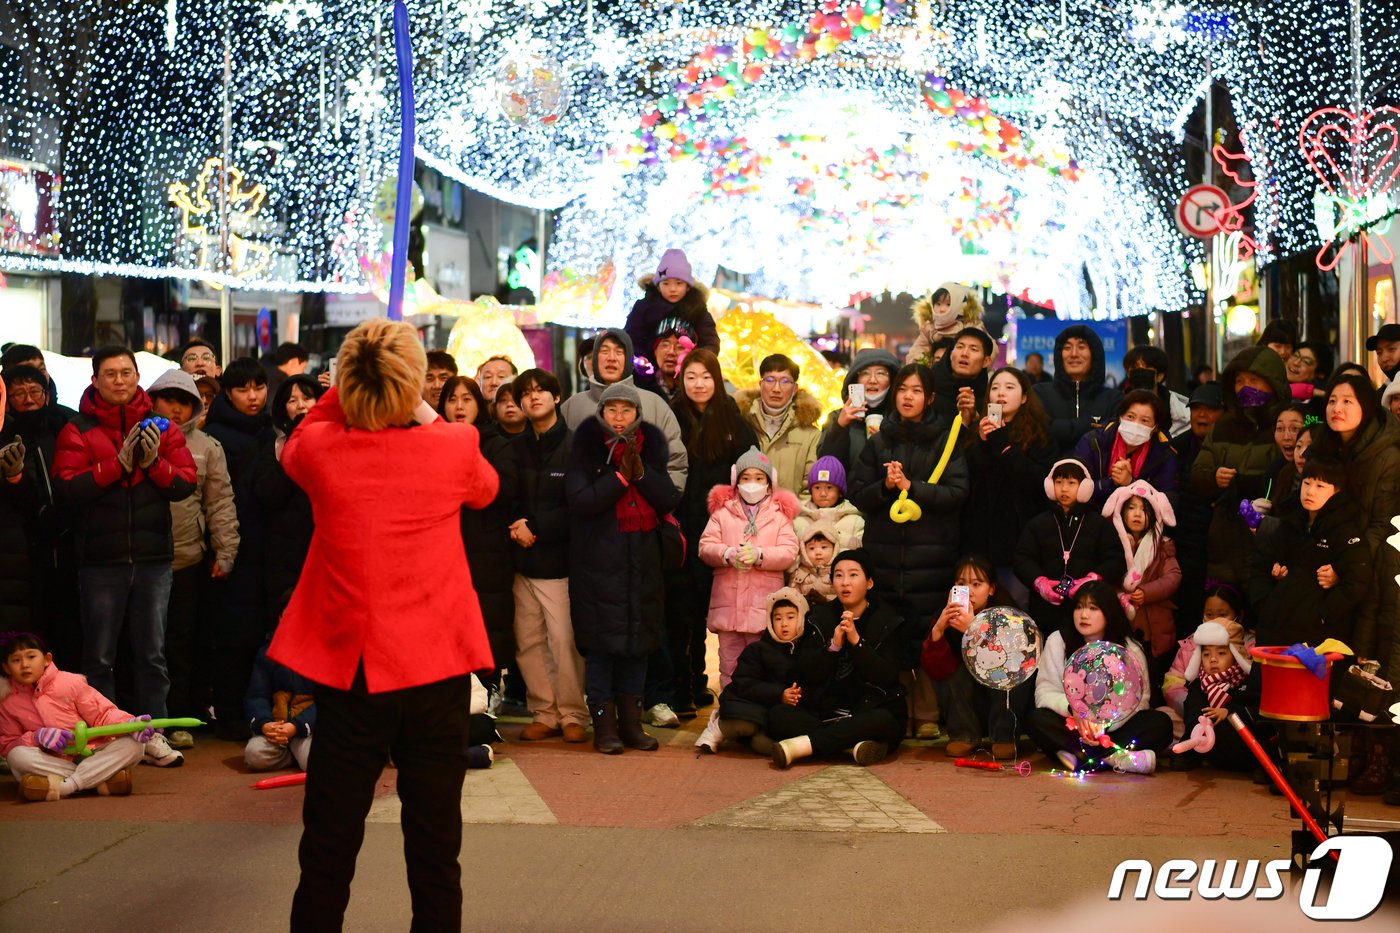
(1088, 578)
(52, 740)
(145, 734)
(1301, 391)
(1126, 601)
(1045, 589)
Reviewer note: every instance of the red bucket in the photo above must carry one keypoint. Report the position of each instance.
(1291, 692)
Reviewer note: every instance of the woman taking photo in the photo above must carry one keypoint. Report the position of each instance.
(715, 434)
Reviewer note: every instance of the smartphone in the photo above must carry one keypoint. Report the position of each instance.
(333, 362)
(856, 393)
(959, 596)
(994, 414)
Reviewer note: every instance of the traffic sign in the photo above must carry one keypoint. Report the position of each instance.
(1199, 211)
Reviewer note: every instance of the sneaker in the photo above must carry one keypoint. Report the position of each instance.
(1141, 762)
(957, 749)
(118, 785)
(711, 737)
(160, 754)
(40, 787)
(869, 752)
(1067, 759)
(661, 715)
(180, 739)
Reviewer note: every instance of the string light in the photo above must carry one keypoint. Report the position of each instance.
(1108, 86)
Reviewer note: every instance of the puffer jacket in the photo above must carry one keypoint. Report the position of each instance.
(122, 518)
(845, 444)
(290, 524)
(1155, 620)
(651, 309)
(793, 449)
(764, 670)
(849, 522)
(210, 508)
(486, 536)
(615, 584)
(1243, 440)
(1007, 491)
(52, 527)
(58, 701)
(1095, 451)
(655, 411)
(863, 676)
(1372, 462)
(738, 599)
(1093, 548)
(18, 511)
(279, 694)
(913, 560)
(1076, 407)
(540, 464)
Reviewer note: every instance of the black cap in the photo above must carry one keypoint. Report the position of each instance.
(1387, 332)
(1208, 394)
(988, 345)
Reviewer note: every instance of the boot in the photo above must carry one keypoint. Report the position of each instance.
(605, 737)
(1376, 777)
(629, 725)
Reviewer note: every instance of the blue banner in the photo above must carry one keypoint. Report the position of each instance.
(1037, 335)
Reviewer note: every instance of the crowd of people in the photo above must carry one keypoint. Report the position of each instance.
(154, 540)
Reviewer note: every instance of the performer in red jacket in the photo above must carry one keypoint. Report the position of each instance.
(390, 649)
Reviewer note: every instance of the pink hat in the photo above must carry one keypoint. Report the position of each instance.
(674, 265)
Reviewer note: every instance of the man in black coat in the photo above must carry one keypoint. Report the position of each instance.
(544, 634)
(848, 671)
(1193, 510)
(1077, 399)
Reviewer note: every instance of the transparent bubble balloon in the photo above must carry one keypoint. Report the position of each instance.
(1104, 683)
(531, 89)
(1001, 647)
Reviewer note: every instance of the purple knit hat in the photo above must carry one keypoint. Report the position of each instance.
(674, 265)
(828, 470)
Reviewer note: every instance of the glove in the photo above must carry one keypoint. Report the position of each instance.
(631, 465)
(52, 740)
(145, 734)
(12, 458)
(149, 447)
(130, 449)
(1045, 589)
(748, 554)
(1088, 578)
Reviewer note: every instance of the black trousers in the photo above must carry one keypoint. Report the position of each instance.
(835, 736)
(181, 625)
(1149, 728)
(426, 729)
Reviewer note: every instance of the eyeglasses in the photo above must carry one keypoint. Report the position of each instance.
(33, 394)
(205, 357)
(774, 382)
(117, 374)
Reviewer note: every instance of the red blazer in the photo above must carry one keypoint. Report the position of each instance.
(386, 581)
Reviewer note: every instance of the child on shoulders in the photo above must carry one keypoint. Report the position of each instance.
(37, 716)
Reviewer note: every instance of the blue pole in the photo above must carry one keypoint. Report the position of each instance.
(403, 203)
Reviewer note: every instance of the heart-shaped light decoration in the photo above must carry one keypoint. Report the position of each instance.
(1368, 144)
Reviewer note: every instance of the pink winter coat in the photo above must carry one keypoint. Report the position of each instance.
(738, 600)
(58, 700)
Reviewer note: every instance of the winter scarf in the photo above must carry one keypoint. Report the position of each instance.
(634, 512)
(1135, 460)
(1218, 686)
(773, 421)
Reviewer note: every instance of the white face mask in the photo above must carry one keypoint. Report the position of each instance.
(753, 493)
(1134, 434)
(873, 399)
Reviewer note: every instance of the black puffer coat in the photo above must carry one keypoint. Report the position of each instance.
(862, 677)
(18, 508)
(1008, 490)
(539, 464)
(693, 512)
(33, 519)
(486, 536)
(1093, 547)
(764, 670)
(913, 560)
(615, 586)
(288, 509)
(1075, 407)
(1372, 462)
(244, 595)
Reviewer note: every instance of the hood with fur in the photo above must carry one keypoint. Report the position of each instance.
(963, 307)
(806, 410)
(648, 285)
(790, 595)
(725, 495)
(1220, 632)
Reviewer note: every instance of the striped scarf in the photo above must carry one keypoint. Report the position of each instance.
(1218, 686)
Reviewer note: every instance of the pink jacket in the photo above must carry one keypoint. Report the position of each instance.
(738, 600)
(58, 700)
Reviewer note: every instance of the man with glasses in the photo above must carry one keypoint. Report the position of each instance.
(197, 358)
(22, 354)
(611, 362)
(784, 417)
(120, 473)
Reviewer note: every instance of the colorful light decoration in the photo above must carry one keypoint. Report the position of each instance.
(746, 337)
(1368, 145)
(200, 218)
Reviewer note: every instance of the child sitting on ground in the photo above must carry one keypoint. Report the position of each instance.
(750, 542)
(826, 501)
(1139, 512)
(812, 575)
(1311, 572)
(765, 676)
(1065, 547)
(281, 711)
(1216, 687)
(1223, 604)
(37, 715)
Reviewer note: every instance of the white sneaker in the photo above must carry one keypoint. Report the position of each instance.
(710, 737)
(160, 754)
(493, 704)
(1142, 762)
(662, 715)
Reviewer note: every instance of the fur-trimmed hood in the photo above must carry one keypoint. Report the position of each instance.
(647, 283)
(724, 495)
(962, 302)
(806, 410)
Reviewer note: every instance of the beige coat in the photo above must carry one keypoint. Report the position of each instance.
(210, 508)
(793, 449)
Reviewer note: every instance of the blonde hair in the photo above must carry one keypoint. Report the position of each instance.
(380, 371)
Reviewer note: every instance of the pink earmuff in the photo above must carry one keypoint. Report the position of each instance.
(1086, 486)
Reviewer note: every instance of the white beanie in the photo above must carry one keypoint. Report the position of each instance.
(1220, 632)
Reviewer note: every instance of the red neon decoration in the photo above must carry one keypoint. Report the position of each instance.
(1328, 132)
